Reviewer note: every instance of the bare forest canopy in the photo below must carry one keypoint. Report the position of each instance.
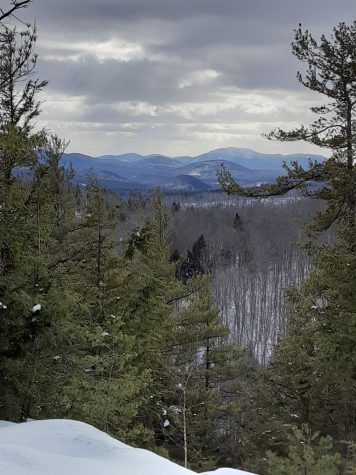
(252, 249)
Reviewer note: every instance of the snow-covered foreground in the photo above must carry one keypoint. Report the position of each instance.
(63, 447)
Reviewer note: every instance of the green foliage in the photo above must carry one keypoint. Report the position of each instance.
(311, 377)
(206, 369)
(330, 71)
(147, 285)
(63, 347)
(21, 259)
(105, 388)
(351, 458)
(308, 454)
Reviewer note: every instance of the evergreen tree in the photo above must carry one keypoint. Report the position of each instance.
(330, 71)
(20, 228)
(207, 368)
(105, 386)
(307, 453)
(37, 287)
(311, 378)
(147, 287)
(196, 263)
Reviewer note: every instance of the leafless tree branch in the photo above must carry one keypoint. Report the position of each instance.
(15, 5)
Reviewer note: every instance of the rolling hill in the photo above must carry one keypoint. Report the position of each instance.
(133, 171)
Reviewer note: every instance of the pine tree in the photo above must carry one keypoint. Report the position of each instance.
(19, 230)
(307, 453)
(330, 71)
(196, 263)
(207, 369)
(58, 251)
(147, 289)
(311, 378)
(105, 387)
(37, 287)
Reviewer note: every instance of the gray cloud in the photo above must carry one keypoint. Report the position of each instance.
(163, 70)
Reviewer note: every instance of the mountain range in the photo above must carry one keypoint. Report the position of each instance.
(131, 171)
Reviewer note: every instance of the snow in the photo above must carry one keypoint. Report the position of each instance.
(65, 447)
(227, 471)
(6, 423)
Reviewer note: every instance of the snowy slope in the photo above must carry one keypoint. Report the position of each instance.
(63, 447)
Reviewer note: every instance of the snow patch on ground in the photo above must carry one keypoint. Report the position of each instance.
(6, 424)
(227, 471)
(64, 447)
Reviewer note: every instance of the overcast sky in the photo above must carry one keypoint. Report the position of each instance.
(177, 77)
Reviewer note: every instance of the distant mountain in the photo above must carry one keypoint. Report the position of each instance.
(78, 160)
(134, 171)
(186, 183)
(135, 157)
(207, 172)
(184, 159)
(85, 162)
(108, 180)
(154, 161)
(255, 160)
(126, 157)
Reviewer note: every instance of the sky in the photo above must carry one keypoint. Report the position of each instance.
(176, 77)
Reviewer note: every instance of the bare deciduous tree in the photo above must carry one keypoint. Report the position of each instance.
(12, 8)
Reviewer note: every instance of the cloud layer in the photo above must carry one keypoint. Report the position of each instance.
(177, 77)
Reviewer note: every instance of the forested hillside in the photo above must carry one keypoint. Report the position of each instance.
(214, 330)
(254, 252)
